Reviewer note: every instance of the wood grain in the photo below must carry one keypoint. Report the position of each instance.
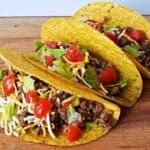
(133, 128)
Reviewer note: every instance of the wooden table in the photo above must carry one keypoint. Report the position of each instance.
(133, 128)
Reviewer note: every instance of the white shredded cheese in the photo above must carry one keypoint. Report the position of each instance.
(103, 88)
(68, 99)
(30, 108)
(122, 33)
(8, 128)
(16, 134)
(49, 127)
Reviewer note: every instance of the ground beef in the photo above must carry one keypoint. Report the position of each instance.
(98, 63)
(40, 85)
(38, 130)
(21, 118)
(105, 118)
(123, 41)
(58, 118)
(89, 110)
(144, 57)
(61, 96)
(113, 91)
(95, 112)
(145, 46)
(20, 91)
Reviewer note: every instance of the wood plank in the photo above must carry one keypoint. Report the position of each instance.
(133, 128)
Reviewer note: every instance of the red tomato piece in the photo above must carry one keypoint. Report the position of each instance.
(73, 133)
(42, 107)
(31, 96)
(66, 105)
(52, 44)
(108, 76)
(48, 60)
(137, 35)
(8, 84)
(111, 36)
(95, 24)
(74, 54)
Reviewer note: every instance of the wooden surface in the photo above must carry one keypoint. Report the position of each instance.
(133, 128)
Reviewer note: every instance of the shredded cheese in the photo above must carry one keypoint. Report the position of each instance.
(68, 99)
(49, 127)
(31, 126)
(43, 129)
(103, 88)
(122, 33)
(130, 39)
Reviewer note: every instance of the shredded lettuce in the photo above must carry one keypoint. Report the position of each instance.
(91, 77)
(56, 53)
(90, 125)
(109, 28)
(2, 74)
(28, 84)
(132, 49)
(9, 110)
(76, 102)
(36, 57)
(38, 45)
(62, 69)
(121, 84)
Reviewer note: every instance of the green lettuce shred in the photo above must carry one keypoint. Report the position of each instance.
(132, 49)
(2, 74)
(109, 28)
(38, 45)
(91, 77)
(63, 70)
(28, 84)
(90, 125)
(9, 110)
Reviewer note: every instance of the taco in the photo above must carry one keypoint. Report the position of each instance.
(74, 51)
(125, 27)
(38, 108)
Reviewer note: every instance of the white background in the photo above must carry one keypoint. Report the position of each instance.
(59, 7)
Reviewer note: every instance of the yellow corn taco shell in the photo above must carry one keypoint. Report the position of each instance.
(119, 15)
(71, 31)
(18, 62)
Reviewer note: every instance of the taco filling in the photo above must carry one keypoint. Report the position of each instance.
(76, 63)
(29, 104)
(132, 41)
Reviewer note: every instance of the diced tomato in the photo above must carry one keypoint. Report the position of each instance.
(42, 107)
(73, 133)
(137, 35)
(52, 44)
(111, 36)
(31, 96)
(95, 24)
(108, 76)
(8, 84)
(66, 105)
(74, 54)
(48, 60)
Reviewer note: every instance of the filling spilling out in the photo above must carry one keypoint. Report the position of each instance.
(78, 64)
(27, 104)
(132, 41)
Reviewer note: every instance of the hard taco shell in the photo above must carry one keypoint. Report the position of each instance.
(17, 61)
(119, 15)
(72, 31)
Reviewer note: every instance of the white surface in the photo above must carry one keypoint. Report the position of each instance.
(59, 7)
